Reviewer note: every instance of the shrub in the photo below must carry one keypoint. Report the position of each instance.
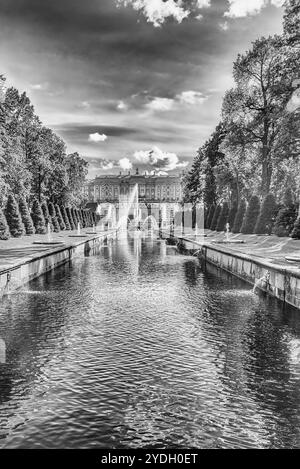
(209, 216)
(60, 219)
(65, 218)
(13, 218)
(38, 218)
(70, 217)
(266, 216)
(4, 229)
(232, 214)
(53, 216)
(296, 231)
(215, 217)
(26, 217)
(238, 221)
(223, 217)
(251, 215)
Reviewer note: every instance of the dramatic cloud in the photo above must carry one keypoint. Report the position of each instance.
(159, 159)
(241, 8)
(125, 164)
(138, 85)
(96, 137)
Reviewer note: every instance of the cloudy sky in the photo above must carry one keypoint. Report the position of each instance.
(130, 83)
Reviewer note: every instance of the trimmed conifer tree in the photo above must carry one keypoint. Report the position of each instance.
(265, 219)
(238, 221)
(251, 215)
(13, 217)
(73, 211)
(287, 216)
(70, 217)
(4, 229)
(65, 217)
(53, 216)
(215, 217)
(82, 217)
(78, 217)
(45, 210)
(223, 217)
(91, 218)
(296, 230)
(60, 219)
(38, 218)
(210, 216)
(232, 214)
(288, 198)
(87, 221)
(26, 217)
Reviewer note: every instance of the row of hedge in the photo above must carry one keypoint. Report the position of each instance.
(256, 217)
(17, 220)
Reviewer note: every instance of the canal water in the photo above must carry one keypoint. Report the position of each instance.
(136, 346)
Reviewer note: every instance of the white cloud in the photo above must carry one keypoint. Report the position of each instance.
(277, 3)
(38, 86)
(191, 97)
(294, 102)
(96, 137)
(160, 104)
(224, 26)
(157, 11)
(125, 164)
(242, 8)
(167, 104)
(159, 159)
(85, 105)
(121, 106)
(203, 3)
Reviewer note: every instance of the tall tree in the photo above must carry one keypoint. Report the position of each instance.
(255, 108)
(200, 182)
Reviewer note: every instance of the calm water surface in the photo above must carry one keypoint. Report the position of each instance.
(136, 346)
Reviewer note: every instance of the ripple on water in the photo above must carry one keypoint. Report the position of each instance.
(139, 347)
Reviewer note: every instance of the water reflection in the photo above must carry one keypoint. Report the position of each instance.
(135, 346)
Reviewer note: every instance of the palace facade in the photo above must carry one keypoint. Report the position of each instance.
(151, 188)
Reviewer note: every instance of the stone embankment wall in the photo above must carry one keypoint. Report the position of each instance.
(24, 271)
(279, 281)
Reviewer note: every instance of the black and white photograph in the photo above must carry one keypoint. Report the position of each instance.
(149, 229)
